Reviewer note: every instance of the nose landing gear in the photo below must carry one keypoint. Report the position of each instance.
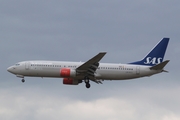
(21, 76)
(23, 80)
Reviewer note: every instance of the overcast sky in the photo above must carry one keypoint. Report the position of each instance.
(76, 30)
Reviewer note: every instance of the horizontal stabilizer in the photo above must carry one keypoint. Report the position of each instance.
(159, 66)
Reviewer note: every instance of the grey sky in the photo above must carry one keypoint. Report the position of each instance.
(76, 31)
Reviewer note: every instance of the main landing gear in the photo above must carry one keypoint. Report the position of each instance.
(88, 85)
(86, 80)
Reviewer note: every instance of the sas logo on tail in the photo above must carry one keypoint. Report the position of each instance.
(154, 60)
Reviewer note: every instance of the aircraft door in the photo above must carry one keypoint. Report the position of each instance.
(137, 70)
(27, 65)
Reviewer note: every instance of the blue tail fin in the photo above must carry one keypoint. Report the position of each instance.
(156, 55)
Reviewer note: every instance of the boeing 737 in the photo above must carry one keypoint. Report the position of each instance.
(74, 73)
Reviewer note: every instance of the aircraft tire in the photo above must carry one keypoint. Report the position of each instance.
(88, 85)
(23, 80)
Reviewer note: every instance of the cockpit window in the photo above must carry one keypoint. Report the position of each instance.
(17, 64)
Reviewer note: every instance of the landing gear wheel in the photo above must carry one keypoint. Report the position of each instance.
(88, 85)
(86, 80)
(23, 80)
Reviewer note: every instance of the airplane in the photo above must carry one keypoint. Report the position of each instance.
(74, 73)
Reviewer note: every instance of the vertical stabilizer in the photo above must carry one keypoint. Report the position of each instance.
(156, 55)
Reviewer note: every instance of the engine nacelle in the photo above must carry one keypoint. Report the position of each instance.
(70, 81)
(66, 72)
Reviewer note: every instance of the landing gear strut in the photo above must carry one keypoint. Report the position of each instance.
(86, 79)
(23, 80)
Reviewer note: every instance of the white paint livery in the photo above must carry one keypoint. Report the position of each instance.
(154, 60)
(74, 73)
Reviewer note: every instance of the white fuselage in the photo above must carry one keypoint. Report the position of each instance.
(74, 73)
(105, 71)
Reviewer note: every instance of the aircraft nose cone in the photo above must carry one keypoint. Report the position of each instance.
(10, 69)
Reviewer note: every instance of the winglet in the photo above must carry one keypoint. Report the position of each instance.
(159, 66)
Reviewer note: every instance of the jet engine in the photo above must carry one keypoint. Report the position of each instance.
(70, 81)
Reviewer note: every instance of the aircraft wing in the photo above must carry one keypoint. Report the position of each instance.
(89, 67)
